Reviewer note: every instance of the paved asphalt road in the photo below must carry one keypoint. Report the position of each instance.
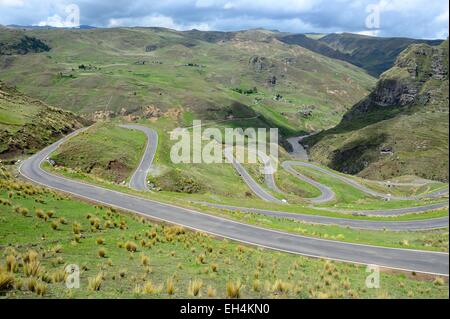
(252, 184)
(411, 260)
(411, 225)
(138, 180)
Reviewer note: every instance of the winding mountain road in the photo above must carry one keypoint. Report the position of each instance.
(138, 180)
(403, 259)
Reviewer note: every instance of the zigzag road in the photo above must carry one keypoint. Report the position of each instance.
(404, 259)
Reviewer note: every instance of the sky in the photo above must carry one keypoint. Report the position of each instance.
(407, 18)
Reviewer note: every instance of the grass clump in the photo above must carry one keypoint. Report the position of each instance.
(95, 283)
(233, 289)
(194, 288)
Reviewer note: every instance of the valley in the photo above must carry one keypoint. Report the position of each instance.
(361, 178)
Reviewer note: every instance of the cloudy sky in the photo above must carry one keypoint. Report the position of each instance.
(410, 18)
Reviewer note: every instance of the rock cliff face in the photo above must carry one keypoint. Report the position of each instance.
(407, 113)
(409, 81)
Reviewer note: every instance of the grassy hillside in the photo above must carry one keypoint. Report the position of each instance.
(107, 151)
(14, 41)
(124, 256)
(27, 125)
(373, 54)
(210, 75)
(401, 128)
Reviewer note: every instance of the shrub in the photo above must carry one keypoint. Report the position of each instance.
(211, 291)
(100, 241)
(214, 267)
(50, 214)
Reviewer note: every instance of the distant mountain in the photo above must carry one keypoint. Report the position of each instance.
(373, 54)
(116, 72)
(27, 125)
(401, 128)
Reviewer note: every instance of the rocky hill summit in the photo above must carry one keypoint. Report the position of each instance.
(401, 128)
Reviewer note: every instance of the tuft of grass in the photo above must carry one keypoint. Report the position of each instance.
(6, 281)
(11, 263)
(131, 246)
(40, 213)
(59, 275)
(439, 281)
(195, 287)
(280, 287)
(41, 289)
(95, 283)
(145, 260)
(170, 287)
(100, 241)
(149, 288)
(76, 228)
(32, 284)
(32, 268)
(211, 292)
(101, 253)
(233, 289)
(55, 225)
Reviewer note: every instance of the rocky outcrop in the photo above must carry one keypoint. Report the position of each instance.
(407, 82)
(401, 128)
(259, 63)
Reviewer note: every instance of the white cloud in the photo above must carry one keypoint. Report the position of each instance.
(11, 3)
(157, 21)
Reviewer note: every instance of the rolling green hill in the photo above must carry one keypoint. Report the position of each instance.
(207, 75)
(14, 41)
(401, 128)
(27, 125)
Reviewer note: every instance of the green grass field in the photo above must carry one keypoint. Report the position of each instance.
(124, 256)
